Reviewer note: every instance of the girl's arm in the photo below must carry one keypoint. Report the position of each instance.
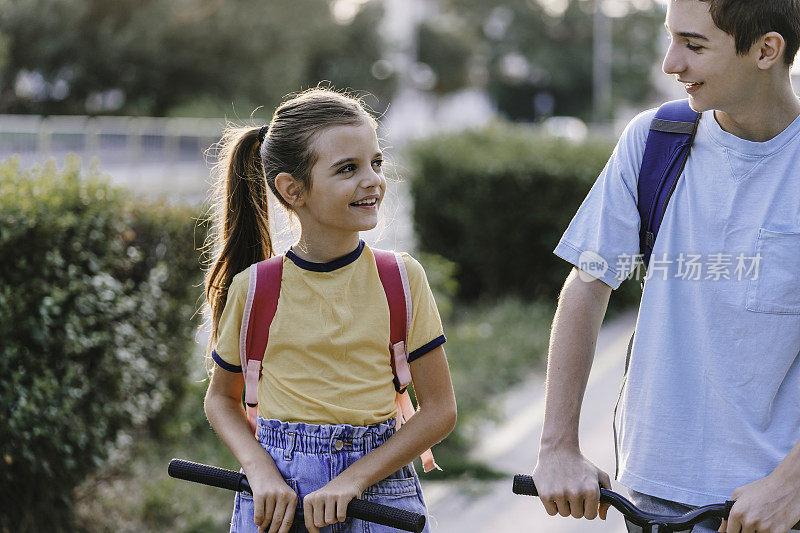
(272, 497)
(432, 423)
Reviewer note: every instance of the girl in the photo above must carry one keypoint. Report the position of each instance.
(325, 392)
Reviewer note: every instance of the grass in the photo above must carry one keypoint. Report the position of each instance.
(491, 346)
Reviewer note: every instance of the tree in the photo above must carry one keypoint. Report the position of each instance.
(535, 60)
(161, 57)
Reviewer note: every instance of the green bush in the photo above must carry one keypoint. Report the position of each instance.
(441, 278)
(496, 201)
(97, 294)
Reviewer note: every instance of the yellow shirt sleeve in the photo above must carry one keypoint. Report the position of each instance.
(226, 351)
(425, 331)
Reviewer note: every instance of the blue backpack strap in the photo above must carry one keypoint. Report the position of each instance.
(671, 135)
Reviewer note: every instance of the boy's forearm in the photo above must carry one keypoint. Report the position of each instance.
(789, 469)
(581, 308)
(771, 503)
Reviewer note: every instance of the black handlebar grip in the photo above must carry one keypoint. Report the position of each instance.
(523, 484)
(386, 516)
(728, 506)
(208, 475)
(236, 481)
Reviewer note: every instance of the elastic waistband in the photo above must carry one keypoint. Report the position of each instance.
(327, 438)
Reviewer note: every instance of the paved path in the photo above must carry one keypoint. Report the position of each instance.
(512, 446)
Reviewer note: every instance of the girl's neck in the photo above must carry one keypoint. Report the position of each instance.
(325, 250)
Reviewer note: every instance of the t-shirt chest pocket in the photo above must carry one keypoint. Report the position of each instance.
(776, 288)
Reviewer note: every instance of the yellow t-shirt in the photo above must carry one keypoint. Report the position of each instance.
(327, 359)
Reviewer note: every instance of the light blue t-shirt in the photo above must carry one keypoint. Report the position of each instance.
(712, 400)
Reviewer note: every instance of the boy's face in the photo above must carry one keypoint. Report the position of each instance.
(704, 59)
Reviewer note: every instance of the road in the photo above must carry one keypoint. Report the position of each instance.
(512, 446)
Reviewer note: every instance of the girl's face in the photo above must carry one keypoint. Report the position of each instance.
(347, 184)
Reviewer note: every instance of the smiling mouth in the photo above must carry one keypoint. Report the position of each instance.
(692, 85)
(365, 203)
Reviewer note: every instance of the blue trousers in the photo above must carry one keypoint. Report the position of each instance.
(309, 456)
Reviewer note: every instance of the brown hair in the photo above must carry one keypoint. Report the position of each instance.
(240, 234)
(747, 20)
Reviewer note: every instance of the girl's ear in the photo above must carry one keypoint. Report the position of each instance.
(291, 190)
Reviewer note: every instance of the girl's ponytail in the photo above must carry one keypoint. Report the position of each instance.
(247, 168)
(240, 234)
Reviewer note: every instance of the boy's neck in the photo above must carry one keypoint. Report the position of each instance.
(762, 118)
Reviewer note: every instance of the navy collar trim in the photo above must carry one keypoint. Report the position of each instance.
(330, 265)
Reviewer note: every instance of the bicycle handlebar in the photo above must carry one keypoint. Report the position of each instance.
(523, 484)
(236, 481)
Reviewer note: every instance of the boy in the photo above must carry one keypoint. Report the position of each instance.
(711, 405)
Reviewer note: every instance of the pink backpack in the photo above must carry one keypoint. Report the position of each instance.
(262, 301)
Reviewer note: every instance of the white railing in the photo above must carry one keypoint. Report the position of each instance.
(161, 157)
(156, 156)
(139, 138)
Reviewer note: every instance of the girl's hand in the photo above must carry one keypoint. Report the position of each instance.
(328, 505)
(274, 503)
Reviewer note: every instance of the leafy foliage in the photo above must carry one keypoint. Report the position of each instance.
(535, 62)
(172, 56)
(496, 201)
(96, 301)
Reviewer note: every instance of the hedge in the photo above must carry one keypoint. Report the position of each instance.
(496, 201)
(97, 297)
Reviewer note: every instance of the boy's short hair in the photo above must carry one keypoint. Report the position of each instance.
(747, 20)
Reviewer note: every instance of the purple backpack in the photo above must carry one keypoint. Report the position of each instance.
(671, 135)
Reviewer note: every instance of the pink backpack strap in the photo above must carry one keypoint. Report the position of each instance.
(260, 306)
(394, 278)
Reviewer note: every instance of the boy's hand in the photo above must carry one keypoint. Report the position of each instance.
(568, 484)
(328, 505)
(274, 504)
(768, 505)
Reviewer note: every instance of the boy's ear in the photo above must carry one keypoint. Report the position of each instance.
(290, 189)
(771, 49)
